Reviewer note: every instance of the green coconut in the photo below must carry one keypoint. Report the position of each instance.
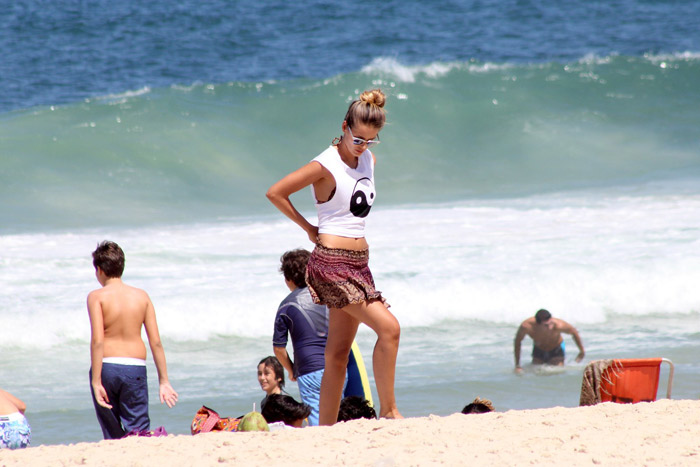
(253, 421)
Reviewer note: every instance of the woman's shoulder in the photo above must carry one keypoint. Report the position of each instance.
(329, 154)
(329, 159)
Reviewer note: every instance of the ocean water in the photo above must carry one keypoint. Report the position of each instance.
(537, 154)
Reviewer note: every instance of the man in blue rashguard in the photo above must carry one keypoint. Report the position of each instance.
(307, 324)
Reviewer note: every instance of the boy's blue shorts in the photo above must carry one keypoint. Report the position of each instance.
(127, 390)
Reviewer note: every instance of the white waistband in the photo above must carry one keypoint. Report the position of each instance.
(124, 361)
(12, 417)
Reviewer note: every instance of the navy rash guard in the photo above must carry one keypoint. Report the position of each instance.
(307, 324)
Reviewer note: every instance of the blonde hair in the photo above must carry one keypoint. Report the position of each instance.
(367, 110)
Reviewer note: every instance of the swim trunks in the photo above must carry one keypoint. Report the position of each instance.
(337, 277)
(127, 390)
(547, 356)
(310, 392)
(15, 432)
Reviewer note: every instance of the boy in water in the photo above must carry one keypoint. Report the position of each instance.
(118, 371)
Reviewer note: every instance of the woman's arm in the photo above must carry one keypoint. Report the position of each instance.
(279, 193)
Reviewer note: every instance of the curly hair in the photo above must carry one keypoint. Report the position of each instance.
(355, 407)
(294, 266)
(284, 408)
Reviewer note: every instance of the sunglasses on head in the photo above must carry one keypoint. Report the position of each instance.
(359, 141)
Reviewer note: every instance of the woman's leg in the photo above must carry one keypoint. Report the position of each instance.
(342, 328)
(375, 315)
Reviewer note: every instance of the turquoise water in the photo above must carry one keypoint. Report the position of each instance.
(456, 131)
(534, 157)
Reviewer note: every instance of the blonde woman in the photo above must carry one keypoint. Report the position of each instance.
(338, 276)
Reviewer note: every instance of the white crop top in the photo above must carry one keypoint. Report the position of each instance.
(344, 214)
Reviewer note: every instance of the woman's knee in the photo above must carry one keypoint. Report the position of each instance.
(384, 323)
(390, 331)
(337, 356)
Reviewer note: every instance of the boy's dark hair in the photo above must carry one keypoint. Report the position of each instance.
(110, 258)
(276, 366)
(478, 406)
(284, 408)
(355, 407)
(294, 266)
(542, 315)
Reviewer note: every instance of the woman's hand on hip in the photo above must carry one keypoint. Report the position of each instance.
(313, 234)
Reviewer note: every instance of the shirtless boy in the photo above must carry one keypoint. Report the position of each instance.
(15, 431)
(118, 372)
(548, 343)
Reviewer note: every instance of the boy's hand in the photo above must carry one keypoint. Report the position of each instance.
(168, 395)
(101, 395)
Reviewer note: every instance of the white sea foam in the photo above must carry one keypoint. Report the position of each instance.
(409, 73)
(122, 97)
(676, 56)
(584, 256)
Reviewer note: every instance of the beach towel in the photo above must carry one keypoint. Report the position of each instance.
(592, 377)
(206, 420)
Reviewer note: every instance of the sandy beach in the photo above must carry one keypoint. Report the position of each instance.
(665, 432)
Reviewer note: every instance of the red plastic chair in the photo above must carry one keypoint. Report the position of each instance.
(634, 380)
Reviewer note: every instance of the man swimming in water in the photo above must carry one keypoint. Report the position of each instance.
(547, 342)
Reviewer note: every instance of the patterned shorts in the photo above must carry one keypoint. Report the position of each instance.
(338, 277)
(14, 431)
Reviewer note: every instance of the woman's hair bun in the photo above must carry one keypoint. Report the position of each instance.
(374, 96)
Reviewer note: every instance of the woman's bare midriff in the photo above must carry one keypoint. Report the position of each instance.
(345, 243)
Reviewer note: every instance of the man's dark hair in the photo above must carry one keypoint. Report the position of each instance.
(294, 266)
(355, 407)
(284, 408)
(478, 406)
(110, 258)
(542, 315)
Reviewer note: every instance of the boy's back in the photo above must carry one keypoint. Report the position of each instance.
(118, 355)
(124, 310)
